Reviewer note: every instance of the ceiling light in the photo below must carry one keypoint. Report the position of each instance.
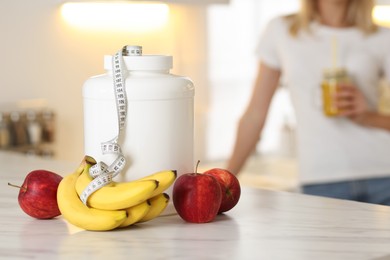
(129, 16)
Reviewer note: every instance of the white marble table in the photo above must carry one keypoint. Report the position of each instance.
(264, 225)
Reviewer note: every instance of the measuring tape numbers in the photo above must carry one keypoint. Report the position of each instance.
(101, 173)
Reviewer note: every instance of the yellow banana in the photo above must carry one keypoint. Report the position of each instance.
(157, 205)
(117, 195)
(164, 178)
(135, 213)
(78, 214)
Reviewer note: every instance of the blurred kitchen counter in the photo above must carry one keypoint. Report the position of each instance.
(269, 172)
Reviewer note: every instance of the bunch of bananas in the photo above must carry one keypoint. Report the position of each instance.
(116, 205)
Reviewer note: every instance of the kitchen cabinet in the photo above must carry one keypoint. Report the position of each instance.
(265, 224)
(383, 2)
(196, 2)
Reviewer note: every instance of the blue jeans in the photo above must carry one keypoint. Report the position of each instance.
(375, 190)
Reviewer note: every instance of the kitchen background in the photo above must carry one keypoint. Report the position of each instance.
(48, 52)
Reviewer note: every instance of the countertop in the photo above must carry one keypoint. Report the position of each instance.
(266, 224)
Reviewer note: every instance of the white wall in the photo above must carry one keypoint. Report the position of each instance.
(43, 57)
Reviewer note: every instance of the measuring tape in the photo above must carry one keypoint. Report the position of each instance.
(101, 173)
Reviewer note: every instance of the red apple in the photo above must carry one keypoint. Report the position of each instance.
(38, 194)
(230, 186)
(197, 197)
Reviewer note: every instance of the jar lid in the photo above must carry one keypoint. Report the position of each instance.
(142, 62)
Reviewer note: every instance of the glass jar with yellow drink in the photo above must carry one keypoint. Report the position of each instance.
(332, 79)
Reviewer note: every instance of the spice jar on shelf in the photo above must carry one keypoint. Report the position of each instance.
(34, 128)
(48, 125)
(18, 129)
(5, 135)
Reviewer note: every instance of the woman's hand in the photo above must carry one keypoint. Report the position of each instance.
(353, 105)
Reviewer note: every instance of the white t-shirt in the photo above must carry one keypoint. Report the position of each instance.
(331, 149)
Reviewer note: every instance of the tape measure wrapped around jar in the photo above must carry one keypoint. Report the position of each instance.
(150, 116)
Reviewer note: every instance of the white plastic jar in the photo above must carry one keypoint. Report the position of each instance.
(159, 130)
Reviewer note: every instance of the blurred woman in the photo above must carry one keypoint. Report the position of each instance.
(344, 156)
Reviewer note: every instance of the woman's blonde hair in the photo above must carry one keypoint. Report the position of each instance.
(359, 14)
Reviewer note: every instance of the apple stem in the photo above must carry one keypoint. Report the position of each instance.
(16, 186)
(196, 168)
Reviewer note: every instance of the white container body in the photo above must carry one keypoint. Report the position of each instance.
(159, 130)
